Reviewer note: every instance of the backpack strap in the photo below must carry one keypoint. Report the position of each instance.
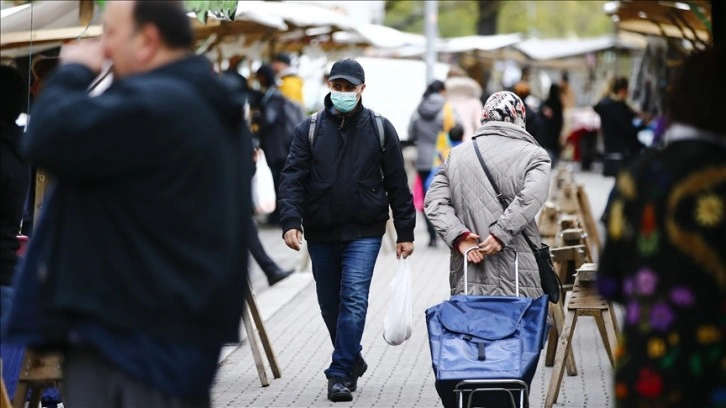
(314, 119)
(379, 127)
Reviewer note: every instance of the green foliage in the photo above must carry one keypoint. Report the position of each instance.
(554, 19)
(546, 19)
(223, 8)
(456, 18)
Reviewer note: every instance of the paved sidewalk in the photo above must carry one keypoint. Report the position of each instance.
(398, 376)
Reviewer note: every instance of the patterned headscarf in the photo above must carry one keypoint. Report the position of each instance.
(504, 106)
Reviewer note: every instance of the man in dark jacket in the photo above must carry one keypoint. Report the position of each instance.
(268, 123)
(139, 259)
(338, 182)
(620, 135)
(15, 178)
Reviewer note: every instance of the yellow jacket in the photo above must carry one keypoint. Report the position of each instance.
(291, 87)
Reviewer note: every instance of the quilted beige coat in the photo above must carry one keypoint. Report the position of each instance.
(461, 199)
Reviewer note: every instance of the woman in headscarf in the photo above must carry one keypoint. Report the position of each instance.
(464, 208)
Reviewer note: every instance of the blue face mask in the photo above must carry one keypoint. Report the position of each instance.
(344, 102)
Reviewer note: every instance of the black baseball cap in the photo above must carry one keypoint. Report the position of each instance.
(348, 69)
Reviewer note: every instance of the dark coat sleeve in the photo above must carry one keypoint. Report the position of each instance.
(79, 137)
(395, 181)
(293, 179)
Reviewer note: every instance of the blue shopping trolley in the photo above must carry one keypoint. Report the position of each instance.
(485, 349)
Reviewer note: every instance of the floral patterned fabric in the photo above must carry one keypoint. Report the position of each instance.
(665, 262)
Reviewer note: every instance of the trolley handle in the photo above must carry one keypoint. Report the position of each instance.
(466, 269)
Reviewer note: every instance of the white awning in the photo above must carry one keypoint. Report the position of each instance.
(379, 36)
(548, 49)
(479, 42)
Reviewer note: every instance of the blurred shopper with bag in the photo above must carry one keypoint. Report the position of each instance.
(137, 267)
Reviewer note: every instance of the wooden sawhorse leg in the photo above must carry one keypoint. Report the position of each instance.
(260, 325)
(554, 335)
(256, 355)
(564, 347)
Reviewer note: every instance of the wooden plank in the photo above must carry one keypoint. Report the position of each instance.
(85, 11)
(587, 272)
(589, 221)
(38, 37)
(567, 253)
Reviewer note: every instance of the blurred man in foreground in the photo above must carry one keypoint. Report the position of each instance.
(137, 267)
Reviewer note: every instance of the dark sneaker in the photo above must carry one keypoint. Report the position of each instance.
(359, 369)
(337, 391)
(278, 276)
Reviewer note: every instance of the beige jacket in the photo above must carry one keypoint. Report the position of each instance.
(461, 199)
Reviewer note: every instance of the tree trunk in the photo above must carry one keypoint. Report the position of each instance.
(487, 22)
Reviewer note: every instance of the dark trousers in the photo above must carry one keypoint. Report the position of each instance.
(423, 175)
(276, 170)
(268, 266)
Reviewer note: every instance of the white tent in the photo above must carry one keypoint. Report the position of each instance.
(379, 36)
(549, 49)
(479, 43)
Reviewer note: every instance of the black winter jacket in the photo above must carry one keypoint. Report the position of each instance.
(341, 187)
(268, 118)
(15, 179)
(146, 229)
(616, 122)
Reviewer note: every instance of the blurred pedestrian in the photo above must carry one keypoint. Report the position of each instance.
(552, 113)
(534, 121)
(620, 134)
(290, 83)
(42, 67)
(339, 180)
(269, 267)
(15, 179)
(569, 98)
(433, 118)
(464, 93)
(268, 125)
(466, 212)
(137, 267)
(664, 257)
(15, 175)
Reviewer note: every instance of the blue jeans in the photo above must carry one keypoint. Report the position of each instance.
(343, 273)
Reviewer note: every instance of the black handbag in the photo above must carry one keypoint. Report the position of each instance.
(550, 282)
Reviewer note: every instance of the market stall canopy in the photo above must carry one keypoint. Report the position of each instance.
(479, 43)
(42, 25)
(295, 15)
(379, 36)
(687, 19)
(46, 24)
(550, 49)
(496, 46)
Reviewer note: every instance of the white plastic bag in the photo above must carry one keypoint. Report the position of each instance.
(397, 323)
(263, 187)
